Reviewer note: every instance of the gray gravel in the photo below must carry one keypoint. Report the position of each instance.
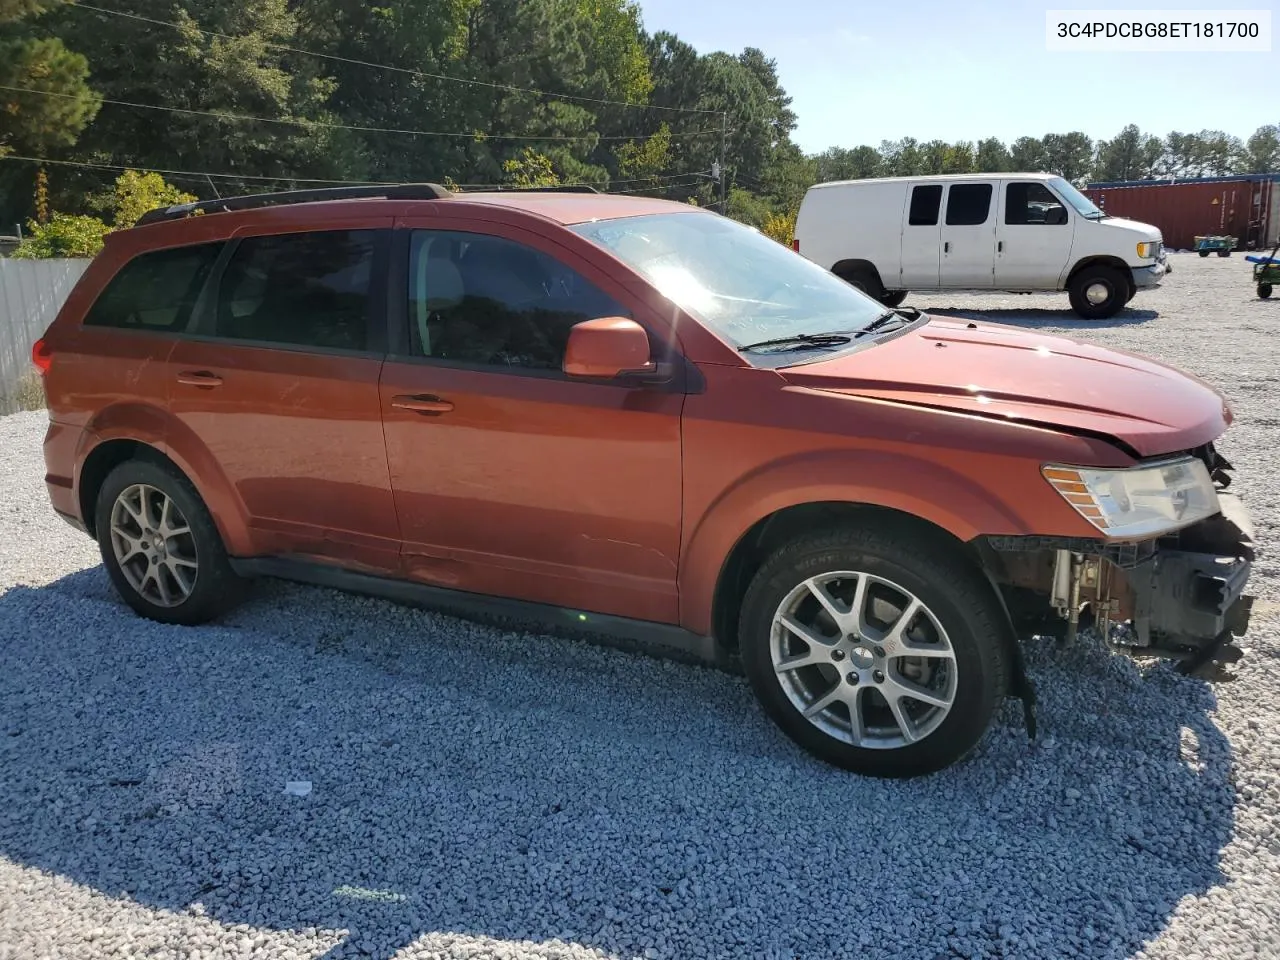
(486, 794)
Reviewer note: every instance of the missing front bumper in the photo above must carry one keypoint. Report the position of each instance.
(1188, 600)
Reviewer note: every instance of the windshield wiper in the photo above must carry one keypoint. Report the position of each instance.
(801, 340)
(905, 314)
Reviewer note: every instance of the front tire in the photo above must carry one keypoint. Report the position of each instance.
(893, 298)
(1264, 290)
(1204, 253)
(1098, 292)
(874, 651)
(160, 545)
(1224, 253)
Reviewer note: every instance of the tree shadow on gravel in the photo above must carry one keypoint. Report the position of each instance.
(468, 782)
(1038, 318)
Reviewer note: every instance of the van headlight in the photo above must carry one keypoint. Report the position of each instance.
(1141, 501)
(1149, 249)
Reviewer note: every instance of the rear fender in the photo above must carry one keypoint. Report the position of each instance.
(894, 481)
(156, 428)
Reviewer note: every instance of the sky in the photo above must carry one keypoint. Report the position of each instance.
(862, 72)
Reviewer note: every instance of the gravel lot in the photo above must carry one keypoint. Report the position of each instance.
(485, 794)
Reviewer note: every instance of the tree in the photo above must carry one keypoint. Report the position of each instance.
(60, 104)
(992, 157)
(530, 169)
(136, 193)
(1027, 155)
(1069, 155)
(646, 160)
(958, 158)
(1131, 155)
(63, 236)
(1262, 151)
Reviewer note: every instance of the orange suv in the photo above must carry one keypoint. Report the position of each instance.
(637, 420)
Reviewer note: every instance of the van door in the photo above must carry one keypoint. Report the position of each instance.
(1033, 239)
(921, 238)
(968, 236)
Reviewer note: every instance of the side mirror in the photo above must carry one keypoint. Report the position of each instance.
(608, 348)
(1055, 215)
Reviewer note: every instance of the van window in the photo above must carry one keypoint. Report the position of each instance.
(301, 289)
(156, 290)
(968, 204)
(926, 200)
(1032, 202)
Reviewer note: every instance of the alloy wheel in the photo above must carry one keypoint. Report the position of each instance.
(864, 660)
(154, 545)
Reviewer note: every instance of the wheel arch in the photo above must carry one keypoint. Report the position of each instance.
(1102, 259)
(770, 532)
(138, 431)
(844, 269)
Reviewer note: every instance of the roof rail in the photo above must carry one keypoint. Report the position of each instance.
(570, 188)
(397, 191)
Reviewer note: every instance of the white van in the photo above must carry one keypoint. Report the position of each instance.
(1014, 232)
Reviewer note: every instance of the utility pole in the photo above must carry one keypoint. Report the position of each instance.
(724, 136)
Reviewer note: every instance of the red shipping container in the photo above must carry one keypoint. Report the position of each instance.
(1241, 208)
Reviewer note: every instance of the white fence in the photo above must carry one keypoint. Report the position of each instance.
(31, 293)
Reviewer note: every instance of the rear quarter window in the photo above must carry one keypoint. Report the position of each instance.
(156, 290)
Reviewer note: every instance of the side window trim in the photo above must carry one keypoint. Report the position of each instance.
(203, 325)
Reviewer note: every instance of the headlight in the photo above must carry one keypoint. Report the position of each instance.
(1139, 501)
(1149, 249)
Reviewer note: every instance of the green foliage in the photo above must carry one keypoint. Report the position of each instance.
(640, 160)
(557, 81)
(136, 193)
(63, 236)
(530, 169)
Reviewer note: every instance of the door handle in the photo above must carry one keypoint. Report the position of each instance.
(946, 246)
(201, 379)
(1000, 246)
(421, 404)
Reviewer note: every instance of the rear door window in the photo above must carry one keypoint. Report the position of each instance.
(968, 204)
(300, 289)
(156, 290)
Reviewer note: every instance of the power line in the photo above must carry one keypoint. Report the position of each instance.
(474, 135)
(194, 174)
(205, 175)
(415, 73)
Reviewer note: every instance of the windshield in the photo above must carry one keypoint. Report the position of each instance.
(1083, 205)
(734, 279)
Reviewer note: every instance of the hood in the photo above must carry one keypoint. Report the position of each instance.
(1006, 372)
(1140, 230)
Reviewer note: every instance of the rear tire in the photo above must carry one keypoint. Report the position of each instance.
(866, 280)
(1099, 292)
(1224, 253)
(160, 545)
(893, 298)
(1204, 253)
(961, 662)
(1264, 290)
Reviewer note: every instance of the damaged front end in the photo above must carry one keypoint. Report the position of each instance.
(1178, 596)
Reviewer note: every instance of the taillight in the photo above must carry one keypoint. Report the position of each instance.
(42, 356)
(795, 245)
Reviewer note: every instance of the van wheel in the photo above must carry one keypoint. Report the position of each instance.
(893, 298)
(873, 651)
(160, 546)
(865, 279)
(1098, 292)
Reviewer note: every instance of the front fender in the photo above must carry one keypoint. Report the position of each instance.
(160, 430)
(895, 481)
